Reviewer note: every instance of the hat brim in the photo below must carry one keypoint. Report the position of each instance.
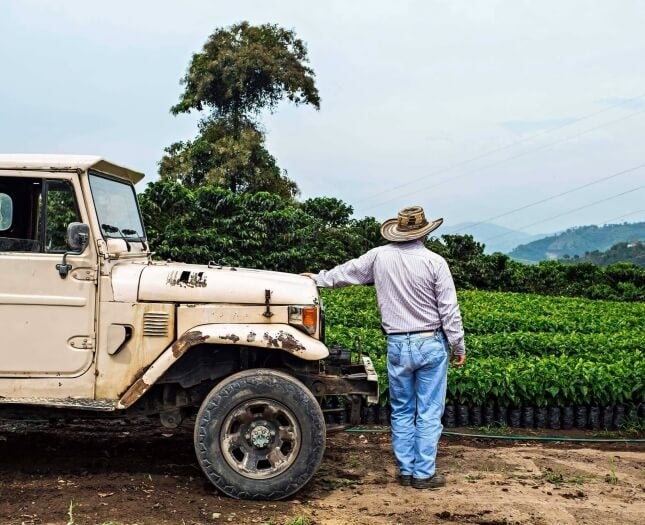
(389, 230)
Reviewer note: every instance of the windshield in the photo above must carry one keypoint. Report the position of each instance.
(116, 208)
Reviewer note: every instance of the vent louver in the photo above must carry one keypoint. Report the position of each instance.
(155, 324)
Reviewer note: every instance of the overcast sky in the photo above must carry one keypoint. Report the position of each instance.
(471, 109)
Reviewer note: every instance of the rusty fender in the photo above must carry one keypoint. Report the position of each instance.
(278, 337)
(156, 370)
(272, 336)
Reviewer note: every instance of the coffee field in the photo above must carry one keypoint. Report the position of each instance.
(581, 359)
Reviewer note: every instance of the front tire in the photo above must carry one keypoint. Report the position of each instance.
(260, 434)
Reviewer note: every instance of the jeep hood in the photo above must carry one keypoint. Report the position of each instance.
(191, 283)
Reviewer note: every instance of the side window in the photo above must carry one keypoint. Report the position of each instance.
(61, 210)
(6, 212)
(21, 228)
(34, 214)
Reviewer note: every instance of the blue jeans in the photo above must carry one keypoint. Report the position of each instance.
(417, 369)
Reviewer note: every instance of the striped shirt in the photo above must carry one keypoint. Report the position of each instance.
(414, 289)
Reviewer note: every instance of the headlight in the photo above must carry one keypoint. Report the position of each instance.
(304, 317)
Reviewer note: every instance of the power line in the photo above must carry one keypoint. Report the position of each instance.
(547, 199)
(512, 144)
(622, 216)
(566, 213)
(544, 146)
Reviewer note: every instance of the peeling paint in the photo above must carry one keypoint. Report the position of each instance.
(285, 341)
(290, 343)
(186, 341)
(230, 337)
(271, 341)
(186, 279)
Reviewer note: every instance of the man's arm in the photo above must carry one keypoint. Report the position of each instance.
(356, 271)
(449, 312)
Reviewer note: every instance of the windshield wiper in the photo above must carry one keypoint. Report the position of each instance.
(108, 228)
(133, 233)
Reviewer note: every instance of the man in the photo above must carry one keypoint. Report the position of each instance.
(420, 315)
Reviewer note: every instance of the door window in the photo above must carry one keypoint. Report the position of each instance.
(35, 213)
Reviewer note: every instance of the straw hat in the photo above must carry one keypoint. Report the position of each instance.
(411, 224)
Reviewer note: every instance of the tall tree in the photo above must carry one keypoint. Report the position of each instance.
(241, 71)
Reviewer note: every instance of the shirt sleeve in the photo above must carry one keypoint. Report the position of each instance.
(356, 271)
(448, 307)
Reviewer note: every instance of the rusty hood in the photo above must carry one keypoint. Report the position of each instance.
(191, 283)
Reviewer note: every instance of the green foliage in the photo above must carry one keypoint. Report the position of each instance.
(579, 241)
(258, 230)
(228, 157)
(61, 211)
(244, 69)
(633, 252)
(523, 348)
(472, 269)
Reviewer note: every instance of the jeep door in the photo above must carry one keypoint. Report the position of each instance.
(47, 321)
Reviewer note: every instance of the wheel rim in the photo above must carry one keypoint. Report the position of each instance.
(260, 438)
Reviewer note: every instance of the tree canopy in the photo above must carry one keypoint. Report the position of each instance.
(245, 69)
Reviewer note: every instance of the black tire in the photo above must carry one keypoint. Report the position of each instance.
(260, 434)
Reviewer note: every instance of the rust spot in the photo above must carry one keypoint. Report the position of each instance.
(289, 342)
(186, 341)
(134, 392)
(284, 340)
(230, 337)
(271, 341)
(186, 279)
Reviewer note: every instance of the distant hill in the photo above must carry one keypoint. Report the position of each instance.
(633, 252)
(578, 241)
(496, 238)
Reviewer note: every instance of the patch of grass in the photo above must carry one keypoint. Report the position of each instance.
(612, 478)
(494, 428)
(580, 479)
(353, 461)
(331, 484)
(300, 520)
(473, 478)
(633, 426)
(553, 476)
(557, 477)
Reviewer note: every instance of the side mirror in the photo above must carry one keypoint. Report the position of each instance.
(78, 237)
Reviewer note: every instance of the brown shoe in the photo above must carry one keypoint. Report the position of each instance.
(436, 481)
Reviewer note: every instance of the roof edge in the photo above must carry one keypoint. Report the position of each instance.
(56, 163)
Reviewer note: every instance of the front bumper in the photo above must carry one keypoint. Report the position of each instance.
(345, 379)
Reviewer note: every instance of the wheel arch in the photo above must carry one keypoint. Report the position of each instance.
(278, 337)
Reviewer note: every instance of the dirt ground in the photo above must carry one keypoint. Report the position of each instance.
(113, 473)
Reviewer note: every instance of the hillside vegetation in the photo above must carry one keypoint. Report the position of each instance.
(578, 241)
(631, 252)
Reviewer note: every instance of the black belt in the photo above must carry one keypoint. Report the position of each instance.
(429, 333)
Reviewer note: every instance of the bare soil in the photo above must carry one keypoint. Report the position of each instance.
(118, 473)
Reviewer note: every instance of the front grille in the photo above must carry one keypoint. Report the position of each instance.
(155, 324)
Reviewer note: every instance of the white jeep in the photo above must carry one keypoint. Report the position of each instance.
(92, 324)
